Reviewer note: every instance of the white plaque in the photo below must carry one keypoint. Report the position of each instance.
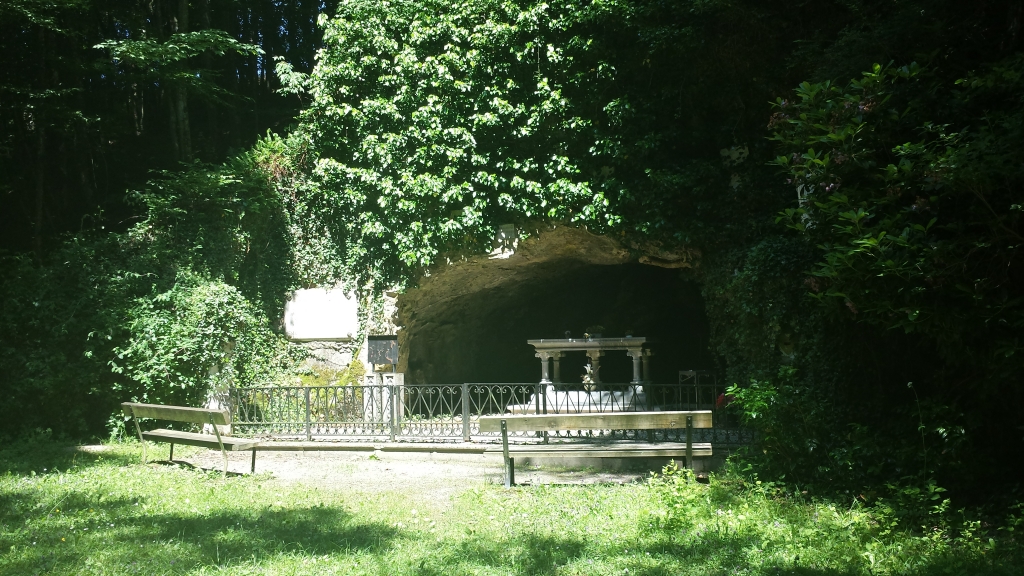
(321, 314)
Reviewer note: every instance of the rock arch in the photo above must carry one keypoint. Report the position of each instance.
(468, 321)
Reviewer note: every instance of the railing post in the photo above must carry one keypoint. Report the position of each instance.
(392, 392)
(465, 411)
(309, 434)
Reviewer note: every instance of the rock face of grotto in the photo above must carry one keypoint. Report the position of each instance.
(469, 321)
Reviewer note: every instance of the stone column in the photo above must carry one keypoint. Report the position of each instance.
(647, 365)
(595, 364)
(544, 378)
(555, 358)
(637, 354)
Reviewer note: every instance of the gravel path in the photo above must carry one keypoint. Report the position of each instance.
(436, 474)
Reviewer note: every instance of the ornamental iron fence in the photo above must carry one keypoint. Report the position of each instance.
(450, 412)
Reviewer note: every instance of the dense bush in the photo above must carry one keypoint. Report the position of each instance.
(906, 366)
(58, 327)
(185, 300)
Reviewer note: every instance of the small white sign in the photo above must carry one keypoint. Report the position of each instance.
(321, 314)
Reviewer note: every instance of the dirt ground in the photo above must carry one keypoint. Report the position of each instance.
(437, 474)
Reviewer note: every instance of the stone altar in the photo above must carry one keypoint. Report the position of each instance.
(581, 401)
(555, 348)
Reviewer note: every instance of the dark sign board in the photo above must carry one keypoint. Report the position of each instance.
(382, 349)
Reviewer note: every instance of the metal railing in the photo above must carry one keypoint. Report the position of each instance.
(450, 412)
(699, 390)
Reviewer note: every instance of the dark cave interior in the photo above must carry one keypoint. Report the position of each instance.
(481, 337)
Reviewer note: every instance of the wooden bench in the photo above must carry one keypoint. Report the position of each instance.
(199, 416)
(601, 421)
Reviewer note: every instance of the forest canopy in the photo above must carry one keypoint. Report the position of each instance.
(849, 172)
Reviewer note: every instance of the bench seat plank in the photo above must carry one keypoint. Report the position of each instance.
(202, 440)
(616, 450)
(598, 421)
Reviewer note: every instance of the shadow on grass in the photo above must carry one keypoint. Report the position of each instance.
(214, 470)
(158, 543)
(529, 555)
(25, 457)
(535, 555)
(724, 551)
(35, 456)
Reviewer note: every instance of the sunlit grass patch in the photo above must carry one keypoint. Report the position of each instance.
(69, 512)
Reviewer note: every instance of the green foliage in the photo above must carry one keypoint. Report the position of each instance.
(167, 62)
(424, 144)
(58, 324)
(79, 125)
(197, 336)
(317, 252)
(908, 182)
(429, 125)
(906, 185)
(179, 305)
(318, 375)
(178, 48)
(890, 535)
(222, 221)
(758, 300)
(432, 124)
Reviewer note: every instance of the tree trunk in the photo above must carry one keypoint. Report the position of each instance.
(182, 16)
(210, 118)
(181, 137)
(177, 98)
(38, 125)
(37, 224)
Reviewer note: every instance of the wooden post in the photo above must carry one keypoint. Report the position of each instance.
(135, 420)
(252, 469)
(509, 463)
(689, 442)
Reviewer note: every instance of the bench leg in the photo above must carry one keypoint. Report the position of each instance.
(171, 457)
(142, 441)
(252, 469)
(689, 442)
(221, 443)
(510, 474)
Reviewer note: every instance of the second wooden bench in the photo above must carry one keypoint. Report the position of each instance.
(687, 420)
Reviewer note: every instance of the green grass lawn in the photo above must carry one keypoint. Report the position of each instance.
(66, 511)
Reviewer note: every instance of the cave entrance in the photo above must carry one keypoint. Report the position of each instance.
(481, 336)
